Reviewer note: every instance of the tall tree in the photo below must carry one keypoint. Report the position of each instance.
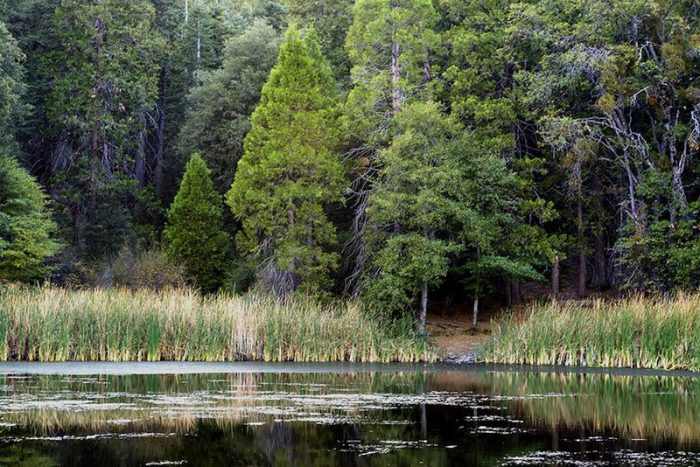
(414, 208)
(26, 227)
(389, 44)
(194, 234)
(104, 79)
(290, 171)
(331, 20)
(220, 106)
(11, 87)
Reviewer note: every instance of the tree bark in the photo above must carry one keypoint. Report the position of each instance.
(475, 311)
(555, 277)
(423, 312)
(582, 267)
(601, 261)
(396, 96)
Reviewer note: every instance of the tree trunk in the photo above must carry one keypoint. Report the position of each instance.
(555, 277)
(423, 312)
(582, 268)
(601, 261)
(508, 289)
(160, 151)
(516, 294)
(396, 96)
(475, 311)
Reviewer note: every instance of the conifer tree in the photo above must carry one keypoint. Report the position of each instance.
(290, 170)
(11, 86)
(25, 225)
(194, 233)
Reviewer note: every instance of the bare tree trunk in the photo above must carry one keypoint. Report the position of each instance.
(396, 96)
(199, 43)
(582, 267)
(160, 152)
(508, 289)
(555, 277)
(601, 262)
(423, 312)
(517, 295)
(475, 311)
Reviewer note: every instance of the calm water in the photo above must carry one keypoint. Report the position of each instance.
(252, 414)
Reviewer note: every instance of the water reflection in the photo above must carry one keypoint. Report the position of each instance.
(433, 417)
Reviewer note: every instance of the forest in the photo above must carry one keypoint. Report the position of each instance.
(399, 153)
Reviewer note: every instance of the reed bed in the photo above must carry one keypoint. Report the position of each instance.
(57, 325)
(635, 332)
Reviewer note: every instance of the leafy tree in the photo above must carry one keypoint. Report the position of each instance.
(220, 107)
(415, 207)
(290, 171)
(194, 233)
(11, 86)
(26, 227)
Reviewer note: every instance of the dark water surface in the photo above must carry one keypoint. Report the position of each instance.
(323, 415)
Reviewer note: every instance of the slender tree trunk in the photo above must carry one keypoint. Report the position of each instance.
(396, 96)
(199, 43)
(516, 294)
(555, 277)
(508, 289)
(582, 267)
(475, 311)
(601, 261)
(423, 312)
(160, 152)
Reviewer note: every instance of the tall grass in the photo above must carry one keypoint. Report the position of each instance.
(53, 325)
(637, 332)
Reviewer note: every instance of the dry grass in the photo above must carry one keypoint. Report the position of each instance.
(637, 332)
(54, 325)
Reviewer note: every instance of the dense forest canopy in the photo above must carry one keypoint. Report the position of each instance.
(392, 151)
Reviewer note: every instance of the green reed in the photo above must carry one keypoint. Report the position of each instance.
(637, 332)
(51, 324)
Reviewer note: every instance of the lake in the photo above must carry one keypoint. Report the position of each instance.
(322, 415)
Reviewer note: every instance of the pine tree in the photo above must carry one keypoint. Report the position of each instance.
(194, 233)
(11, 86)
(25, 225)
(220, 107)
(290, 171)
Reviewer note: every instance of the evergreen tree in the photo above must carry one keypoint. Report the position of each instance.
(104, 79)
(414, 207)
(25, 225)
(11, 87)
(220, 107)
(290, 171)
(194, 233)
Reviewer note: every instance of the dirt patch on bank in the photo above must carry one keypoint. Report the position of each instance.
(455, 336)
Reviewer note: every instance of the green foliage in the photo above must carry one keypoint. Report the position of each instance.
(290, 171)
(137, 268)
(26, 227)
(218, 117)
(415, 206)
(194, 233)
(331, 20)
(380, 29)
(11, 87)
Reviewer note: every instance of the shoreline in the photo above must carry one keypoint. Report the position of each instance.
(188, 368)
